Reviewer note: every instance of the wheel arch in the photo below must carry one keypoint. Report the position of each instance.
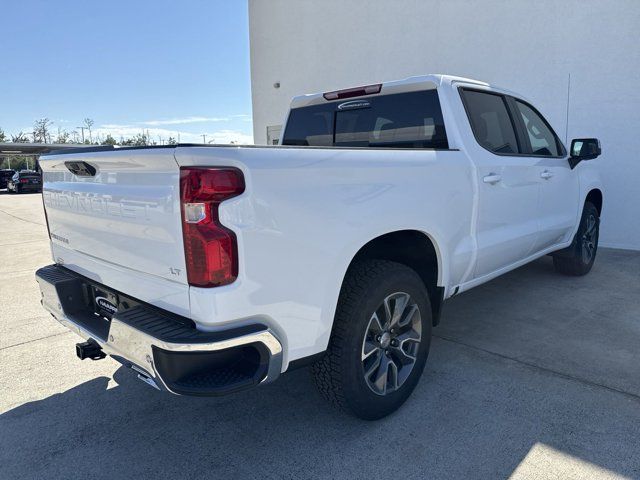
(414, 249)
(595, 197)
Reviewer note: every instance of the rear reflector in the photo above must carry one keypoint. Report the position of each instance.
(211, 250)
(353, 92)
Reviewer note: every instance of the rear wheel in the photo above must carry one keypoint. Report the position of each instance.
(578, 258)
(380, 340)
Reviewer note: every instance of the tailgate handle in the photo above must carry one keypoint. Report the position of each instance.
(81, 169)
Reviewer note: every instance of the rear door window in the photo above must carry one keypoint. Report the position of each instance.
(490, 121)
(402, 120)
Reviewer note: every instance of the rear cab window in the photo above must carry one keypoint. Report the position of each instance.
(400, 120)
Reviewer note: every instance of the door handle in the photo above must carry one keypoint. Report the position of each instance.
(492, 178)
(546, 175)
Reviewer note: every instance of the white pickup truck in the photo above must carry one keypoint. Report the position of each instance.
(210, 269)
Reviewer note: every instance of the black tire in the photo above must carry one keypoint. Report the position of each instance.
(340, 372)
(577, 259)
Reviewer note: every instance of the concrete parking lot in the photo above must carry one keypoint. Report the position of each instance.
(533, 375)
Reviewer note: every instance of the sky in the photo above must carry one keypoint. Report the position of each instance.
(169, 67)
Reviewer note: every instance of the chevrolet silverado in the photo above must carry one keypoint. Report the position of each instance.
(212, 269)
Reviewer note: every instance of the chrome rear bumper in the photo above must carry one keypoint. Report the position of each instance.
(166, 350)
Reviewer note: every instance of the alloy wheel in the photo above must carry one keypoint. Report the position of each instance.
(391, 343)
(589, 239)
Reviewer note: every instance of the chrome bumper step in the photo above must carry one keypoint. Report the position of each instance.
(163, 347)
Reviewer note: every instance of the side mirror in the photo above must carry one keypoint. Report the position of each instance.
(583, 149)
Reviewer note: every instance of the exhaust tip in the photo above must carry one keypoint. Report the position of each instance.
(89, 349)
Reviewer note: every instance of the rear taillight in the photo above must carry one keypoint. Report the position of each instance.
(211, 250)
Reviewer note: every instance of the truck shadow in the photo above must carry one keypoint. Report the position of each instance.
(454, 426)
(474, 414)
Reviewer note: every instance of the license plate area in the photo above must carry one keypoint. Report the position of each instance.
(104, 302)
(87, 305)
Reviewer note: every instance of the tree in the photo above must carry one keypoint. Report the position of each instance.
(109, 140)
(3, 136)
(20, 137)
(172, 141)
(63, 136)
(88, 122)
(41, 130)
(140, 140)
(14, 162)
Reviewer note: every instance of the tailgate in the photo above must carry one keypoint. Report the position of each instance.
(115, 215)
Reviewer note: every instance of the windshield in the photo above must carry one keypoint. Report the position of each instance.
(401, 120)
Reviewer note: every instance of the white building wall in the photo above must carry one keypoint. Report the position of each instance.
(531, 47)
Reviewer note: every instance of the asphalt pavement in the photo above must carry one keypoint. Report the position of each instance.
(531, 376)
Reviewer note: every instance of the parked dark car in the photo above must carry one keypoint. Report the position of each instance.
(5, 176)
(25, 181)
